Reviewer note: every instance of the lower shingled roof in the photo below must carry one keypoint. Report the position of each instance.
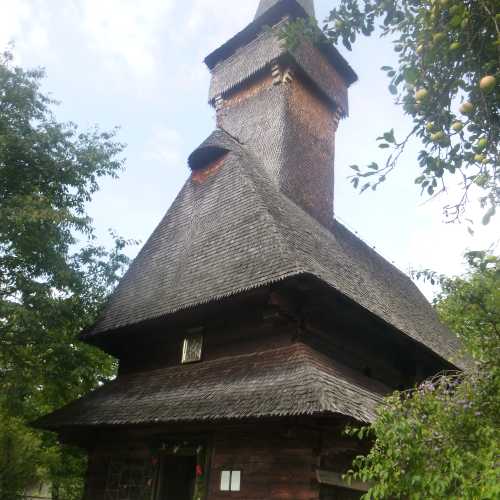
(288, 381)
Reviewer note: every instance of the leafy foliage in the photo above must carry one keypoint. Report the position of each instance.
(18, 455)
(441, 440)
(53, 278)
(447, 81)
(470, 306)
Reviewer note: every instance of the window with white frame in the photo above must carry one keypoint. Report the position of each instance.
(230, 480)
(192, 349)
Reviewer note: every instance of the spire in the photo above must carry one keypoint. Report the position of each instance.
(283, 104)
(265, 5)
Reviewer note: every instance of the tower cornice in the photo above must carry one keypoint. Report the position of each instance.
(276, 12)
(266, 5)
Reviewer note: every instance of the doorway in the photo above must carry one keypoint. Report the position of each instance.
(177, 478)
(336, 493)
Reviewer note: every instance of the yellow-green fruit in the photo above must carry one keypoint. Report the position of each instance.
(339, 24)
(479, 158)
(482, 143)
(430, 126)
(457, 126)
(421, 94)
(488, 82)
(444, 3)
(455, 45)
(466, 108)
(438, 37)
(437, 137)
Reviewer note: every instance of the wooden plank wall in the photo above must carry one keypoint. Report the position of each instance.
(98, 464)
(275, 463)
(278, 459)
(221, 339)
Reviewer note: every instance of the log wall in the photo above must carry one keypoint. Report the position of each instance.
(278, 460)
(220, 339)
(274, 464)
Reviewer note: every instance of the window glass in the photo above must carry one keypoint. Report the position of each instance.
(192, 348)
(235, 480)
(225, 480)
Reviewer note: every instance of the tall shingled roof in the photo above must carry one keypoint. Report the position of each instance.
(234, 231)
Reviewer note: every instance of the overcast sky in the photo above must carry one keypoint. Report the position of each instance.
(138, 64)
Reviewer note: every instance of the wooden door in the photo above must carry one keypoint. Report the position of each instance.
(177, 478)
(335, 493)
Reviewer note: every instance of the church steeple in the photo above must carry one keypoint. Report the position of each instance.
(284, 103)
(265, 5)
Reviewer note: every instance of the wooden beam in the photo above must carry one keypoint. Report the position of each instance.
(335, 479)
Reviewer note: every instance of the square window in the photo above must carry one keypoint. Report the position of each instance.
(230, 480)
(192, 349)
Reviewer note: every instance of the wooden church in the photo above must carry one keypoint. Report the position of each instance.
(252, 327)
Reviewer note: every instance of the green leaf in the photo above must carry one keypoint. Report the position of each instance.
(411, 75)
(389, 136)
(455, 21)
(488, 215)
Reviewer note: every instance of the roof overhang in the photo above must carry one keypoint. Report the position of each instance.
(290, 381)
(271, 17)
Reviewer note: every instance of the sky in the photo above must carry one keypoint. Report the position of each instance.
(139, 65)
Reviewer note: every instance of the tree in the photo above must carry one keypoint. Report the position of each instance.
(447, 82)
(53, 278)
(18, 455)
(441, 440)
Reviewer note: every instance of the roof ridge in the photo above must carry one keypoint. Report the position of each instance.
(343, 226)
